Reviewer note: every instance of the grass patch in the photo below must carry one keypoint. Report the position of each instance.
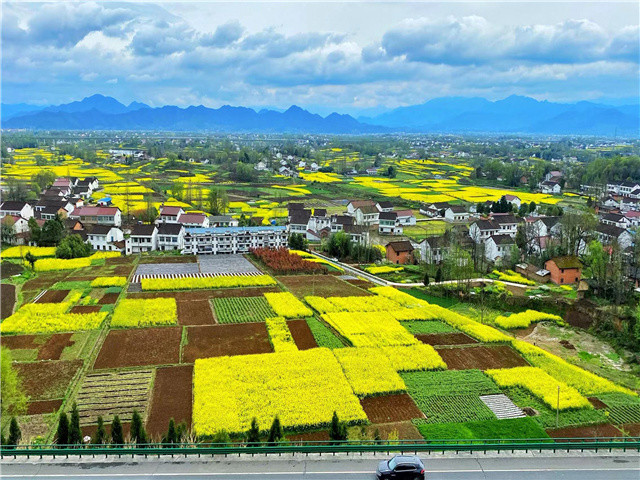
(81, 348)
(426, 327)
(24, 355)
(422, 295)
(323, 335)
(82, 286)
(515, 428)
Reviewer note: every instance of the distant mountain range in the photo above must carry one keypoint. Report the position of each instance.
(514, 114)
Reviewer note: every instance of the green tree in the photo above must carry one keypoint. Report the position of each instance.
(297, 241)
(42, 180)
(31, 259)
(14, 432)
(253, 435)
(438, 278)
(425, 280)
(62, 435)
(171, 436)
(100, 435)
(73, 247)
(34, 230)
(391, 171)
(75, 433)
(138, 433)
(276, 434)
(12, 397)
(117, 435)
(52, 232)
(338, 429)
(177, 189)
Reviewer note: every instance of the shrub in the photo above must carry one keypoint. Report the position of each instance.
(136, 312)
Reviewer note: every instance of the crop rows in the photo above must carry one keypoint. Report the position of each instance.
(135, 312)
(242, 309)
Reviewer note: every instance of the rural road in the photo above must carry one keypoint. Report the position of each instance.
(587, 466)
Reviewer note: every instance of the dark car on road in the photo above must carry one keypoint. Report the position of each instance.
(401, 467)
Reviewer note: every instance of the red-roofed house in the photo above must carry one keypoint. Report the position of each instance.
(170, 214)
(194, 220)
(98, 215)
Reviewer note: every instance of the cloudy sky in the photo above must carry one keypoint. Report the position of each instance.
(352, 57)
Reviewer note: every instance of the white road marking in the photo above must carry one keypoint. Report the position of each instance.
(307, 473)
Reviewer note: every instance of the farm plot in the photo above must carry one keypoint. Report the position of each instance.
(309, 387)
(53, 296)
(390, 408)
(603, 430)
(108, 298)
(481, 357)
(8, 300)
(171, 398)
(451, 396)
(302, 335)
(140, 347)
(114, 393)
(47, 380)
(428, 327)
(220, 340)
(195, 312)
(54, 346)
(323, 335)
(85, 309)
(242, 310)
(320, 285)
(207, 294)
(44, 406)
(498, 429)
(446, 339)
(167, 268)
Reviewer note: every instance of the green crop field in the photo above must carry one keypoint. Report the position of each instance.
(242, 310)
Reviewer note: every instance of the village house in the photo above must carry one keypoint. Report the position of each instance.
(498, 247)
(17, 209)
(98, 215)
(105, 237)
(170, 236)
(143, 238)
(233, 239)
(513, 200)
(432, 249)
(384, 206)
(406, 217)
(622, 188)
(564, 270)
(616, 219)
(16, 231)
(353, 205)
(400, 253)
(222, 221)
(190, 219)
(169, 214)
(338, 222)
(550, 187)
(388, 224)
(608, 234)
(366, 215)
(498, 224)
(299, 221)
(456, 213)
(435, 210)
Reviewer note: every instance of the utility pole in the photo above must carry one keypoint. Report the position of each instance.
(558, 408)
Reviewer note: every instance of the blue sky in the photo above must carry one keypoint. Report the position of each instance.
(357, 57)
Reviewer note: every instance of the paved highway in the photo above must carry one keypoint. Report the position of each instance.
(588, 466)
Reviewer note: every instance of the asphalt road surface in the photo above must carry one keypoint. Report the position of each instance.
(586, 466)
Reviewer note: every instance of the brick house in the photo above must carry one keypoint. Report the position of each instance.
(400, 252)
(564, 270)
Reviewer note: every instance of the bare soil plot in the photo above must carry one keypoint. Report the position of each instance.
(231, 339)
(597, 403)
(631, 429)
(195, 312)
(123, 270)
(9, 269)
(85, 309)
(52, 348)
(360, 283)
(167, 259)
(481, 357)
(108, 298)
(119, 260)
(171, 398)
(43, 406)
(140, 347)
(301, 334)
(53, 296)
(7, 300)
(18, 342)
(602, 430)
(446, 339)
(320, 285)
(390, 408)
(47, 380)
(114, 393)
(45, 280)
(207, 294)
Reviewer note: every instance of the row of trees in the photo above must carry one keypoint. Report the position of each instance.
(341, 246)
